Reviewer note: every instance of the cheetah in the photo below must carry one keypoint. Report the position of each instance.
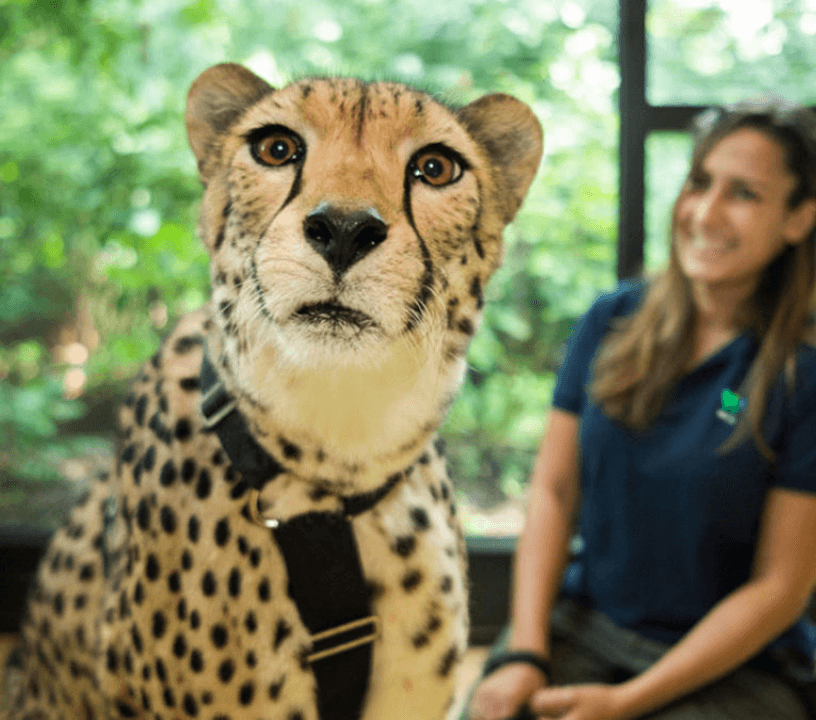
(351, 229)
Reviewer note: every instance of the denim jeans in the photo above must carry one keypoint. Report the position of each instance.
(588, 647)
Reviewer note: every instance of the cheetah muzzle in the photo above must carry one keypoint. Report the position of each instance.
(352, 228)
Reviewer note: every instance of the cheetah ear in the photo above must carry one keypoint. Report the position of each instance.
(217, 98)
(512, 137)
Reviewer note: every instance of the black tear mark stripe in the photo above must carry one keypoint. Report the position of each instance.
(297, 184)
(417, 309)
(259, 133)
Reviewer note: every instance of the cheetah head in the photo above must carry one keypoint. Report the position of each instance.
(346, 218)
(352, 228)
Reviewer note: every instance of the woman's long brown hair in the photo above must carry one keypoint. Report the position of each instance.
(641, 359)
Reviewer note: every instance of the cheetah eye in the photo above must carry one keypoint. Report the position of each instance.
(436, 166)
(275, 146)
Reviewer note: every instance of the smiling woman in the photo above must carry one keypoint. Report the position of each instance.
(742, 257)
(735, 215)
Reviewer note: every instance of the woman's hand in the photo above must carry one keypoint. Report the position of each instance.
(502, 693)
(578, 702)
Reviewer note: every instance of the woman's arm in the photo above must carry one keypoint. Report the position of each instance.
(738, 627)
(542, 550)
(539, 565)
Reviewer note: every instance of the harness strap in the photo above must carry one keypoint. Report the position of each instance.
(221, 416)
(327, 585)
(326, 580)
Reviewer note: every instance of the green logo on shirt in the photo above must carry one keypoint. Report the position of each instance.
(731, 405)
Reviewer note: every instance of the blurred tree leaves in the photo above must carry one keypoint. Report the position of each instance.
(715, 52)
(98, 192)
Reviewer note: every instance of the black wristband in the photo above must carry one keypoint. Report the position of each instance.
(524, 656)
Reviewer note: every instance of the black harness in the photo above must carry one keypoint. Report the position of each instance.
(326, 579)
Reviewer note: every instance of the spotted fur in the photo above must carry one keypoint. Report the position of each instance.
(347, 282)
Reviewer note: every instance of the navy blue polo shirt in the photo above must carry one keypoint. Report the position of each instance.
(668, 526)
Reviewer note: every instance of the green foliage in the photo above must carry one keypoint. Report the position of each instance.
(708, 53)
(29, 417)
(98, 192)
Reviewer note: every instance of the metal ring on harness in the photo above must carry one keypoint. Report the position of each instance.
(255, 513)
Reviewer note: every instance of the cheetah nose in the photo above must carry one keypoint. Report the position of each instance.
(343, 238)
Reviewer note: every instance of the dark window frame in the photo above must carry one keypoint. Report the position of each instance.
(637, 119)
